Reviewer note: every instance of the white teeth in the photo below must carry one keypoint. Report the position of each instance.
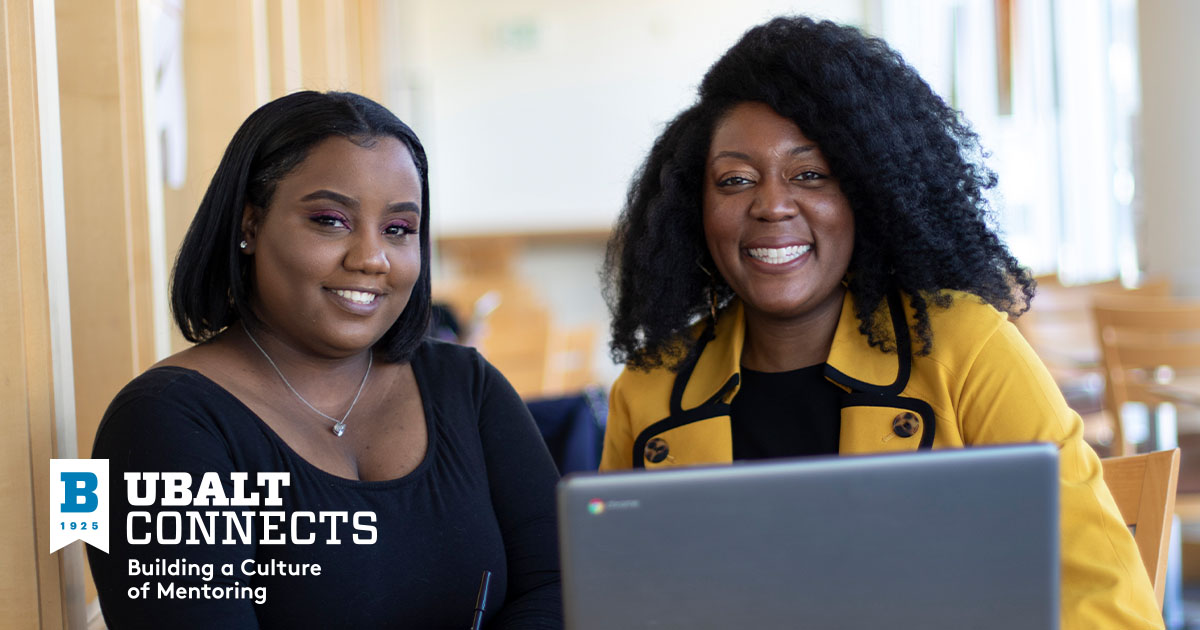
(358, 297)
(778, 255)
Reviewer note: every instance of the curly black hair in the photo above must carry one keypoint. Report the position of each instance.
(909, 165)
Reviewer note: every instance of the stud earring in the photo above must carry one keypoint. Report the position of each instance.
(243, 245)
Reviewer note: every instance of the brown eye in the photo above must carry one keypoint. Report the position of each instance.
(809, 175)
(399, 229)
(735, 180)
(329, 220)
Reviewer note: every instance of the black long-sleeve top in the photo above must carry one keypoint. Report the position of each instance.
(482, 499)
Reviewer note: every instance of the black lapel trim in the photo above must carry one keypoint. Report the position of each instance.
(713, 407)
(915, 405)
(685, 371)
(903, 356)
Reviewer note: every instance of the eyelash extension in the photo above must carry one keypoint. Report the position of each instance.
(322, 218)
(404, 228)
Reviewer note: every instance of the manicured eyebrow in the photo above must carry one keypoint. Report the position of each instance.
(332, 196)
(350, 202)
(405, 206)
(738, 155)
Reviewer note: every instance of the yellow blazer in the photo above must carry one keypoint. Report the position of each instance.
(980, 384)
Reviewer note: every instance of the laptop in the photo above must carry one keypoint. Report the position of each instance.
(950, 539)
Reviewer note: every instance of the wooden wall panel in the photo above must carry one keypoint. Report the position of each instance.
(283, 45)
(31, 584)
(104, 188)
(18, 582)
(339, 45)
(105, 192)
(322, 55)
(220, 86)
(365, 32)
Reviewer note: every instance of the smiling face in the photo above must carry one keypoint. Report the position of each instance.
(336, 253)
(775, 220)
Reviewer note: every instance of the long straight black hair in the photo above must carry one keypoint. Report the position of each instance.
(210, 284)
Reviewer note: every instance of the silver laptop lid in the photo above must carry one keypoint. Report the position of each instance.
(954, 539)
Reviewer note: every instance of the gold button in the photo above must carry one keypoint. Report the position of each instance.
(656, 450)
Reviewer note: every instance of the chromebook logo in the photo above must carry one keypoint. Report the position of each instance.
(597, 507)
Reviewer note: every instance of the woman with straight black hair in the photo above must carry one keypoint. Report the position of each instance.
(805, 266)
(339, 468)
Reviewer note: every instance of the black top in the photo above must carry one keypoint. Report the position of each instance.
(785, 414)
(482, 499)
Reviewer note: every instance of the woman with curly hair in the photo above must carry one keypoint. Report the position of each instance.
(805, 266)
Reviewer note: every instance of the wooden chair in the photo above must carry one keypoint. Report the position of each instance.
(1144, 489)
(1060, 328)
(1147, 344)
(1059, 325)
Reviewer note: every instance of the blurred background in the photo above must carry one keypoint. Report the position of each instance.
(535, 114)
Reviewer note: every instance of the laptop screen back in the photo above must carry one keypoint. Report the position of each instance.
(936, 540)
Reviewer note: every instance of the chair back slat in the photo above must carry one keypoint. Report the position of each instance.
(1151, 356)
(1138, 336)
(1143, 487)
(1136, 311)
(1060, 328)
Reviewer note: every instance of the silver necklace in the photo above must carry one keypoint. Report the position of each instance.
(339, 426)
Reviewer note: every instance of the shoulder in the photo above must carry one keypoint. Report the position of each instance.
(635, 379)
(965, 319)
(678, 350)
(165, 388)
(967, 330)
(164, 407)
(439, 359)
(642, 393)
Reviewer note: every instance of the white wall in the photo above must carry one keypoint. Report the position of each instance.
(537, 112)
(1170, 150)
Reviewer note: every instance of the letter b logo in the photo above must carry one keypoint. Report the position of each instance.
(79, 502)
(80, 491)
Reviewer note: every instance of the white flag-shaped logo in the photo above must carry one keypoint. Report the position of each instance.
(79, 503)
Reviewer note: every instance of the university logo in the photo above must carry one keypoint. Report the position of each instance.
(79, 503)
